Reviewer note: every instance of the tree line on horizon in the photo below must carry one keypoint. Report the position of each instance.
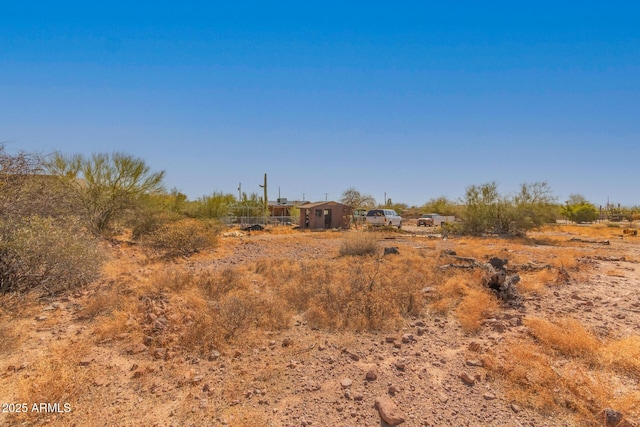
(54, 210)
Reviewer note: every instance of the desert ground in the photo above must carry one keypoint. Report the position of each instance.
(282, 328)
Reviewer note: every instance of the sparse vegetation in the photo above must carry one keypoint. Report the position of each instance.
(182, 238)
(226, 317)
(359, 244)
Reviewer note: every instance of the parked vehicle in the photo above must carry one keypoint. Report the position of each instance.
(434, 220)
(388, 217)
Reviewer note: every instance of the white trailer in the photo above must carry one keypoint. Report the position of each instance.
(434, 220)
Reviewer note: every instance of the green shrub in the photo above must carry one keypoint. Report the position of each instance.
(40, 253)
(182, 238)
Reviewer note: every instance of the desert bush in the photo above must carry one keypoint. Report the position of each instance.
(624, 354)
(182, 238)
(359, 244)
(342, 295)
(567, 336)
(475, 306)
(441, 205)
(579, 211)
(26, 191)
(40, 253)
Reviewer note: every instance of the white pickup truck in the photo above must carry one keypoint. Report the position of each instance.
(386, 217)
(434, 220)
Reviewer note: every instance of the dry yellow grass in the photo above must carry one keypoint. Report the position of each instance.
(624, 355)
(350, 293)
(527, 374)
(11, 338)
(567, 336)
(359, 244)
(567, 369)
(537, 283)
(475, 306)
(601, 231)
(56, 377)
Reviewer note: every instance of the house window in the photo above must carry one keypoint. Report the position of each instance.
(318, 212)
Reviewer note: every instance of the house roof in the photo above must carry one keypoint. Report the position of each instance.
(318, 204)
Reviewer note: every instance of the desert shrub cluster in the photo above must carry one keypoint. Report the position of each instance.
(204, 311)
(45, 254)
(183, 237)
(351, 292)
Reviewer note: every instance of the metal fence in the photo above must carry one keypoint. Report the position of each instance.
(262, 220)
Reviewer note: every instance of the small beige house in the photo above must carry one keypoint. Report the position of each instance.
(324, 215)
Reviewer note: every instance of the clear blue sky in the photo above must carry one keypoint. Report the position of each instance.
(415, 99)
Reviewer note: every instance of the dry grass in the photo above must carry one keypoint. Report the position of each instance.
(450, 293)
(537, 283)
(11, 338)
(348, 293)
(623, 355)
(476, 306)
(527, 374)
(465, 296)
(601, 231)
(55, 377)
(566, 336)
(359, 244)
(566, 369)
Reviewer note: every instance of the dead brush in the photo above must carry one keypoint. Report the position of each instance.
(214, 285)
(359, 244)
(173, 279)
(580, 377)
(449, 294)
(342, 294)
(526, 373)
(277, 268)
(623, 355)
(11, 338)
(184, 237)
(537, 283)
(566, 336)
(104, 302)
(54, 377)
(200, 329)
(475, 306)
